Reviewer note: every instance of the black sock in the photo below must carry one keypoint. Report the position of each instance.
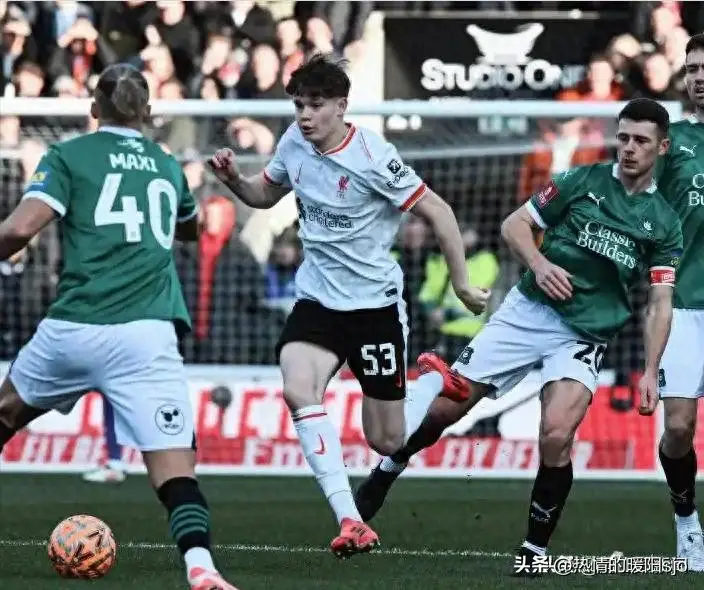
(189, 517)
(681, 474)
(550, 490)
(424, 437)
(6, 434)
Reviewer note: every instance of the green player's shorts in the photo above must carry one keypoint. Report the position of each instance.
(523, 334)
(136, 366)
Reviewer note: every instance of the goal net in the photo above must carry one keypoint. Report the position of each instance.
(484, 157)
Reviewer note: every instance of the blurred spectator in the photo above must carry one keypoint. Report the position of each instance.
(291, 51)
(159, 63)
(285, 258)
(319, 36)
(29, 80)
(562, 146)
(657, 79)
(179, 133)
(261, 81)
(123, 24)
(600, 83)
(447, 318)
(225, 288)
(17, 45)
(80, 53)
(254, 24)
(174, 28)
(219, 61)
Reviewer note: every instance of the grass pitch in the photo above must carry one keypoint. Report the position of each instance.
(272, 534)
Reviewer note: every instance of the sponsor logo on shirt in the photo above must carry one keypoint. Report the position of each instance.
(394, 166)
(608, 243)
(547, 194)
(398, 170)
(39, 179)
(323, 217)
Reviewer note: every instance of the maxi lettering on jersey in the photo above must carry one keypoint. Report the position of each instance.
(350, 203)
(606, 239)
(681, 182)
(119, 197)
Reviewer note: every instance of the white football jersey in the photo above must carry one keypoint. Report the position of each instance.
(350, 202)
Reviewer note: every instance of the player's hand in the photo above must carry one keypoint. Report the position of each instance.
(553, 280)
(223, 165)
(649, 397)
(474, 298)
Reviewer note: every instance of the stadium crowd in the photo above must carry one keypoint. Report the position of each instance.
(238, 283)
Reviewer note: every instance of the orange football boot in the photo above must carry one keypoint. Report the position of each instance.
(355, 537)
(454, 386)
(202, 579)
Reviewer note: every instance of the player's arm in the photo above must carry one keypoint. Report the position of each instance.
(260, 191)
(439, 215)
(658, 319)
(398, 183)
(46, 197)
(189, 217)
(26, 221)
(520, 231)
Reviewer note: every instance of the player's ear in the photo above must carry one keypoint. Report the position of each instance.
(94, 111)
(341, 106)
(147, 112)
(664, 146)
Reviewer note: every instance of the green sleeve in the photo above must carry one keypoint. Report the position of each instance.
(549, 205)
(667, 252)
(187, 206)
(51, 182)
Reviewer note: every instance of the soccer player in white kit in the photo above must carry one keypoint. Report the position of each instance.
(351, 188)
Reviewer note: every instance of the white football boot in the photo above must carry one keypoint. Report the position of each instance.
(690, 541)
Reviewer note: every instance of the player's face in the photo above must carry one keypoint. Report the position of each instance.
(639, 145)
(694, 76)
(319, 118)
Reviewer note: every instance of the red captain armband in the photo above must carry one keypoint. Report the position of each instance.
(547, 194)
(662, 275)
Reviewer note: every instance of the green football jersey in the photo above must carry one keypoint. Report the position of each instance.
(606, 239)
(681, 181)
(119, 197)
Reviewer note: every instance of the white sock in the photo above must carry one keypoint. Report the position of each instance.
(690, 523)
(534, 548)
(418, 400)
(199, 557)
(323, 451)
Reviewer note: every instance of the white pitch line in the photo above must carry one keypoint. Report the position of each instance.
(284, 549)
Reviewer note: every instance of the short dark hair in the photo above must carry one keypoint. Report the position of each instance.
(122, 93)
(695, 42)
(646, 109)
(320, 77)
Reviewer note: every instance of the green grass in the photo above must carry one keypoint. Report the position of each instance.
(272, 534)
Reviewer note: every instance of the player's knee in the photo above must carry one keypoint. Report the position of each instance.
(386, 444)
(555, 443)
(299, 393)
(679, 429)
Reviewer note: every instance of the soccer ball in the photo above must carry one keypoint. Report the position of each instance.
(82, 547)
